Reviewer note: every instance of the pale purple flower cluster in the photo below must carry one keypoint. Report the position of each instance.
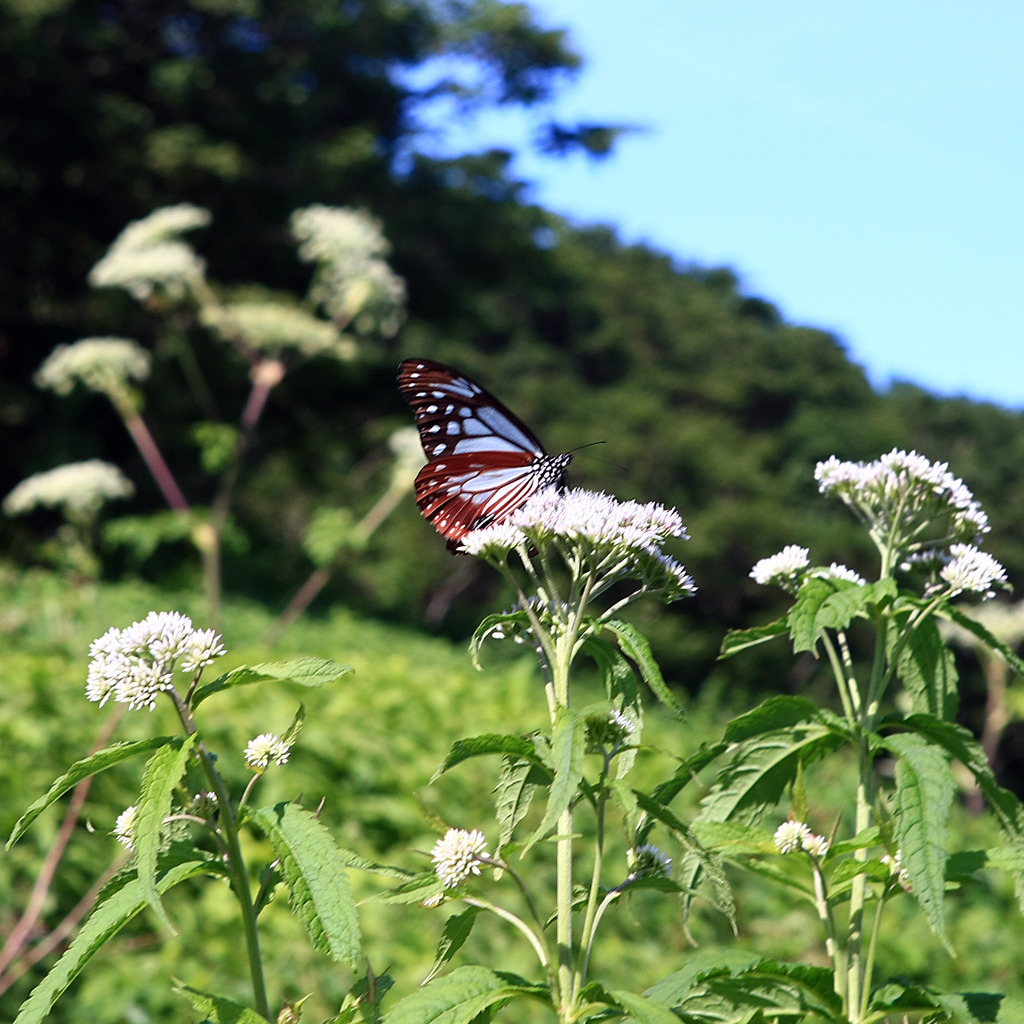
(133, 665)
(648, 861)
(907, 487)
(600, 529)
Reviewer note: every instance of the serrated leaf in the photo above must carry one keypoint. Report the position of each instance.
(311, 672)
(959, 743)
(623, 692)
(453, 937)
(755, 777)
(774, 714)
(730, 985)
(665, 792)
(831, 604)
(706, 861)
(921, 804)
(634, 645)
(105, 922)
(737, 640)
(517, 782)
(519, 747)
(92, 765)
(163, 773)
(928, 671)
(994, 644)
(568, 747)
(461, 996)
(642, 1009)
(314, 870)
(217, 1009)
(970, 1007)
(417, 889)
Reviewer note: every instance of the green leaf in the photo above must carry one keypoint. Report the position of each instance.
(315, 871)
(453, 937)
(163, 773)
(462, 996)
(312, 672)
(217, 1009)
(831, 604)
(518, 781)
(641, 1008)
(992, 642)
(623, 692)
(970, 1007)
(92, 765)
(958, 742)
(730, 985)
(568, 747)
(665, 792)
(737, 640)
(519, 747)
(774, 714)
(519, 621)
(921, 804)
(104, 923)
(761, 766)
(758, 770)
(928, 670)
(635, 646)
(706, 861)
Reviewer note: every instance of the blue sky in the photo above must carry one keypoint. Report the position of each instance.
(859, 165)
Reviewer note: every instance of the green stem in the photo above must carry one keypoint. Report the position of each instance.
(235, 863)
(590, 920)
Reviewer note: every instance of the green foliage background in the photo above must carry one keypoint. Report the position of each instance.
(371, 741)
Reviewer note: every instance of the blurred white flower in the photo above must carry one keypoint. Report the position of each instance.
(78, 487)
(105, 365)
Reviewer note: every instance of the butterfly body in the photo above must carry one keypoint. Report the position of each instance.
(483, 462)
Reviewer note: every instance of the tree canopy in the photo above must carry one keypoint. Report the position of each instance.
(706, 397)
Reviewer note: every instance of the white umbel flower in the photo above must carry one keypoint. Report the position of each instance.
(76, 488)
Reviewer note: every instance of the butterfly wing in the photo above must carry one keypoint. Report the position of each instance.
(483, 462)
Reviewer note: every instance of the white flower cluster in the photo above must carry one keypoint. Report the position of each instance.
(354, 282)
(906, 490)
(105, 365)
(78, 487)
(124, 828)
(133, 665)
(648, 861)
(973, 570)
(457, 855)
(784, 569)
(149, 253)
(796, 835)
(789, 568)
(625, 536)
(274, 327)
(895, 865)
(263, 749)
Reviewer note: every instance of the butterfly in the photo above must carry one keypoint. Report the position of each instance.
(483, 462)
